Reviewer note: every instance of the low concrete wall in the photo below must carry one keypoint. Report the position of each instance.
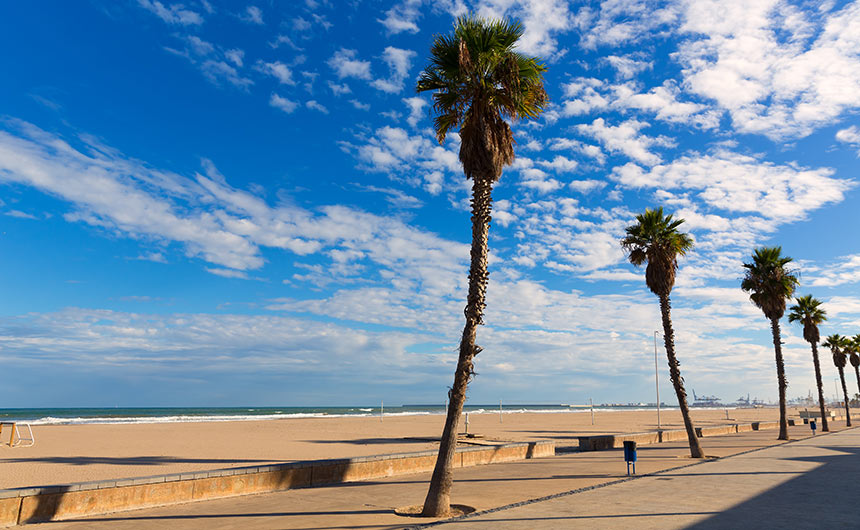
(716, 431)
(612, 441)
(56, 503)
(673, 436)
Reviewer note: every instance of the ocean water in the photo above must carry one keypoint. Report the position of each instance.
(118, 415)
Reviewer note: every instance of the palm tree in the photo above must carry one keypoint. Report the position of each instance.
(855, 359)
(770, 284)
(838, 344)
(478, 80)
(809, 313)
(656, 240)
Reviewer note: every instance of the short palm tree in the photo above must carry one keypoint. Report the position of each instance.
(809, 313)
(656, 240)
(855, 358)
(770, 284)
(838, 344)
(478, 81)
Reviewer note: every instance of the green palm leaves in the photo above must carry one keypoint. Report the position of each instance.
(837, 345)
(809, 313)
(855, 350)
(767, 280)
(656, 240)
(478, 81)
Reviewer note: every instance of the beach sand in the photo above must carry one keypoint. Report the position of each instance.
(78, 453)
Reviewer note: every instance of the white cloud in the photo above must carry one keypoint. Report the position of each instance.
(301, 24)
(217, 71)
(843, 272)
(623, 22)
(213, 221)
(19, 214)
(850, 136)
(359, 105)
(399, 61)
(185, 344)
(172, 14)
(778, 71)
(628, 67)
(624, 139)
(283, 39)
(588, 95)
(567, 144)
(214, 63)
(559, 164)
(228, 273)
(283, 104)
(403, 17)
(740, 183)
(416, 110)
(587, 186)
(278, 70)
(339, 90)
(235, 56)
(315, 105)
(418, 159)
(345, 64)
(252, 15)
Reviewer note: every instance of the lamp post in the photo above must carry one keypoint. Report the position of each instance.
(657, 379)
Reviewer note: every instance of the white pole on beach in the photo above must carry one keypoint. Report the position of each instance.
(592, 410)
(657, 379)
(500, 411)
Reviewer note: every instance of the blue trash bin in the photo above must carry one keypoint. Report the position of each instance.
(630, 455)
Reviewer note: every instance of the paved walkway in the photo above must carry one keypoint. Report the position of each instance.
(762, 489)
(806, 484)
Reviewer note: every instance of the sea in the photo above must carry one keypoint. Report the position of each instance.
(121, 415)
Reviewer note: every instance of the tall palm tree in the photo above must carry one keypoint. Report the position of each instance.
(770, 284)
(855, 358)
(479, 81)
(656, 240)
(808, 312)
(838, 344)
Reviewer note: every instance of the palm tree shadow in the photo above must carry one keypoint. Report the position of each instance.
(821, 498)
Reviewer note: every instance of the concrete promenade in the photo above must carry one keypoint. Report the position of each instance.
(806, 483)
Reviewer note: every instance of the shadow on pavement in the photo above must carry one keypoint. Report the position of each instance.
(824, 497)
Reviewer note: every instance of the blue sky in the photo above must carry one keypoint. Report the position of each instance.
(206, 203)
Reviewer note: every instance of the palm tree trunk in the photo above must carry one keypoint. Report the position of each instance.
(857, 373)
(845, 395)
(824, 427)
(780, 376)
(438, 500)
(675, 376)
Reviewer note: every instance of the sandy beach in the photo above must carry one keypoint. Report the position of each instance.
(78, 453)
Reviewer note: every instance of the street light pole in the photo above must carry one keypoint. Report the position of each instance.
(656, 380)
